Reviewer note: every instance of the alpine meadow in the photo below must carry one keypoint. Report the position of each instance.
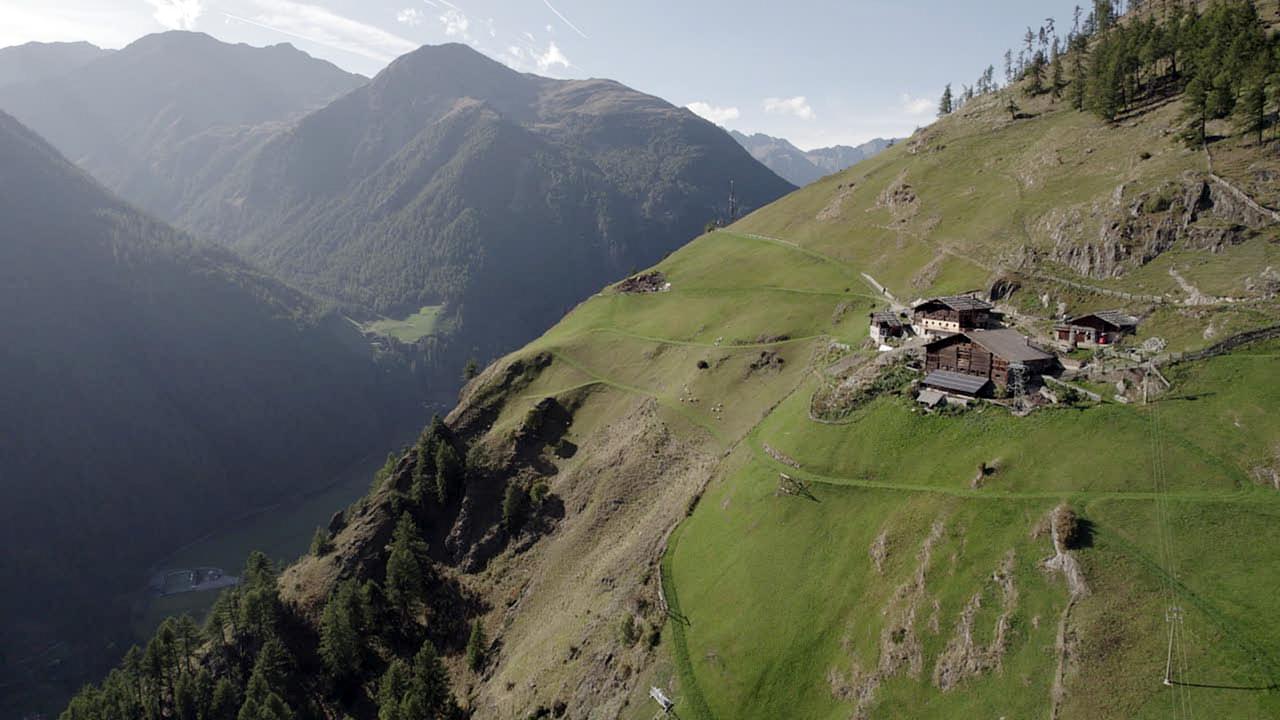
(467, 391)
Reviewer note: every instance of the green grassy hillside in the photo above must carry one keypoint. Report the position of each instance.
(650, 498)
(778, 605)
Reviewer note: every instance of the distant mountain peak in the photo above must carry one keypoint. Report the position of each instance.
(801, 167)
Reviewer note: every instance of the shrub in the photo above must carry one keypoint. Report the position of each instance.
(475, 647)
(321, 543)
(628, 633)
(515, 504)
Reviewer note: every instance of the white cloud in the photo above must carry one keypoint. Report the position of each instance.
(717, 115)
(455, 23)
(54, 22)
(409, 16)
(531, 59)
(914, 106)
(177, 14)
(797, 106)
(324, 27)
(551, 58)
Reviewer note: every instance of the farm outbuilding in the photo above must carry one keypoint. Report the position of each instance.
(947, 382)
(1095, 329)
(949, 315)
(987, 354)
(885, 326)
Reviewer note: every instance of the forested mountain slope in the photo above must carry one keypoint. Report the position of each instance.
(495, 198)
(451, 180)
(720, 487)
(155, 387)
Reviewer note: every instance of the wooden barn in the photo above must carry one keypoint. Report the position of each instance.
(885, 326)
(988, 354)
(953, 384)
(950, 315)
(1095, 329)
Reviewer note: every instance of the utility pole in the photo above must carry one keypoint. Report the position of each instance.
(1173, 616)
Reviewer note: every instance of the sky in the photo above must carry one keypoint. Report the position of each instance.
(817, 72)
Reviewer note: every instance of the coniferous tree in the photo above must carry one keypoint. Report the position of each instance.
(1195, 112)
(450, 473)
(1079, 80)
(341, 646)
(515, 503)
(475, 646)
(946, 104)
(1035, 74)
(225, 703)
(429, 686)
(392, 690)
(1251, 109)
(321, 543)
(1057, 80)
(470, 370)
(405, 584)
(263, 697)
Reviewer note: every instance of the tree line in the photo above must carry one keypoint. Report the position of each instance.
(257, 658)
(1220, 59)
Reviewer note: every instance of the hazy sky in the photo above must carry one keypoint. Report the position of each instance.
(817, 72)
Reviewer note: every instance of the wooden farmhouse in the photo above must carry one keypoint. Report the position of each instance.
(1095, 329)
(885, 326)
(987, 354)
(950, 315)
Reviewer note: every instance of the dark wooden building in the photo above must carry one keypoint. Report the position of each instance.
(1095, 329)
(885, 325)
(950, 315)
(988, 354)
(956, 384)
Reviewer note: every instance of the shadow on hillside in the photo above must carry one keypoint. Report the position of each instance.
(1083, 537)
(1255, 688)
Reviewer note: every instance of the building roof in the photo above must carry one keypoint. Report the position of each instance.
(1114, 318)
(1008, 345)
(930, 397)
(886, 318)
(958, 303)
(956, 382)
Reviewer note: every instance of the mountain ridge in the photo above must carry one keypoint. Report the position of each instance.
(801, 167)
(161, 387)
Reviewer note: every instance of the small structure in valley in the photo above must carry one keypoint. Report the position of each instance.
(1097, 329)
(944, 316)
(886, 326)
(988, 354)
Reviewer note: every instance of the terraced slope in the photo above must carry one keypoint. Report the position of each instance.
(651, 499)
(890, 576)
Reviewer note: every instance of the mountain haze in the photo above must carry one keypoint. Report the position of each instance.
(727, 491)
(155, 387)
(125, 116)
(799, 167)
(36, 61)
(450, 180)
